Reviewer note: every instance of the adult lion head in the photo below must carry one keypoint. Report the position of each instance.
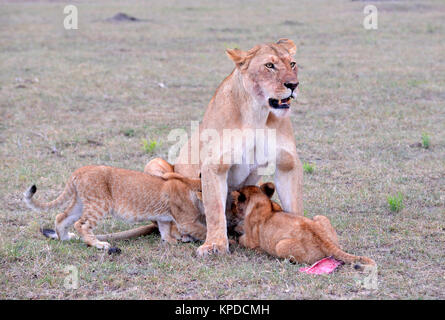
(269, 73)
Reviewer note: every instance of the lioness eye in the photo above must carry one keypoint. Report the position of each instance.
(292, 65)
(269, 65)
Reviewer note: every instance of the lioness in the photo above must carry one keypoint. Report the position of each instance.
(286, 235)
(256, 95)
(94, 191)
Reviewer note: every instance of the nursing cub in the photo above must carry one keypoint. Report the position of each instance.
(285, 235)
(95, 191)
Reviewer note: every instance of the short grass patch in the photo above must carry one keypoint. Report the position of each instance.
(308, 168)
(395, 202)
(426, 140)
(149, 146)
(70, 98)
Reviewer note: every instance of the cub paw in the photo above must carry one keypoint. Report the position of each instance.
(72, 236)
(187, 238)
(102, 245)
(49, 233)
(114, 250)
(170, 241)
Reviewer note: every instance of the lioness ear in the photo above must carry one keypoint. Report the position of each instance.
(268, 189)
(236, 55)
(289, 45)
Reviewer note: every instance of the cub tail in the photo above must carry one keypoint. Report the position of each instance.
(128, 234)
(193, 184)
(359, 261)
(66, 195)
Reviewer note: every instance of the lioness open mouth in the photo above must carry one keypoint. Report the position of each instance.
(280, 104)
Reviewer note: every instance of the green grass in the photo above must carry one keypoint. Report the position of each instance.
(308, 168)
(395, 202)
(129, 132)
(149, 147)
(70, 98)
(426, 140)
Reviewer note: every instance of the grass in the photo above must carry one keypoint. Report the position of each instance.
(395, 202)
(149, 147)
(308, 168)
(426, 140)
(67, 98)
(129, 132)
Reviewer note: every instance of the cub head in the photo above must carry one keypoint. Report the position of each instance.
(250, 194)
(269, 74)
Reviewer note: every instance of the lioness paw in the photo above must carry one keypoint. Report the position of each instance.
(213, 248)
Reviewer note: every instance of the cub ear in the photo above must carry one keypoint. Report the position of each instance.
(276, 206)
(268, 189)
(289, 45)
(236, 55)
(239, 196)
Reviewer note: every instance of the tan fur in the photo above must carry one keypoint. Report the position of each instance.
(95, 191)
(286, 235)
(242, 102)
(156, 167)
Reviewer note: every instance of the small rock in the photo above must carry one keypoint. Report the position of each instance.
(123, 17)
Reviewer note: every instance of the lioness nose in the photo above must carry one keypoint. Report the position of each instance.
(291, 85)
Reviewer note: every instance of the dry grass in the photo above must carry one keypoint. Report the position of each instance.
(69, 98)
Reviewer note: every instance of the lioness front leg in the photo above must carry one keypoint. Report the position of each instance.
(289, 181)
(214, 193)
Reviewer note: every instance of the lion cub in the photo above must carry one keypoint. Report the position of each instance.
(95, 191)
(284, 234)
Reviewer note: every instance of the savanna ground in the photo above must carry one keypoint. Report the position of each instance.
(75, 97)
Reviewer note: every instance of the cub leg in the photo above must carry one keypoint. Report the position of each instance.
(157, 167)
(328, 229)
(174, 232)
(164, 229)
(186, 215)
(295, 251)
(246, 242)
(187, 221)
(65, 220)
(243, 241)
(194, 228)
(85, 225)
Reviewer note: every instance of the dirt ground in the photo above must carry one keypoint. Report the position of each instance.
(90, 96)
